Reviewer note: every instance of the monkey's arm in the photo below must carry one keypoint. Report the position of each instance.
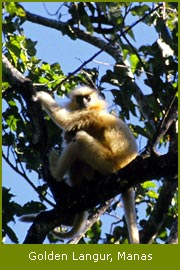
(58, 114)
(61, 116)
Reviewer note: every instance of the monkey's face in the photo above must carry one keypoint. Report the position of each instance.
(88, 101)
(83, 101)
(85, 98)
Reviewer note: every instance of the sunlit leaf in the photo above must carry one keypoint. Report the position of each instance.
(149, 184)
(152, 194)
(139, 10)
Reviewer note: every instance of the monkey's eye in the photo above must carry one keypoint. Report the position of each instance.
(82, 101)
(88, 98)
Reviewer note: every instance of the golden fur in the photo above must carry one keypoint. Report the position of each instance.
(96, 142)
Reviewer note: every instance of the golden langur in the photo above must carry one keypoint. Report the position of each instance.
(95, 142)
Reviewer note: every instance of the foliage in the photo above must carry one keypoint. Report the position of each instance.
(152, 65)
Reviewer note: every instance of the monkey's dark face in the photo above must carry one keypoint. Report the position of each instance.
(83, 101)
(85, 98)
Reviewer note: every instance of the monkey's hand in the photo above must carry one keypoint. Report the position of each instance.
(47, 101)
(40, 95)
(58, 114)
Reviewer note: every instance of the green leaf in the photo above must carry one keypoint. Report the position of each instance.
(134, 60)
(11, 7)
(7, 196)
(84, 18)
(152, 194)
(149, 184)
(20, 12)
(9, 208)
(30, 46)
(12, 103)
(43, 80)
(94, 233)
(12, 122)
(163, 235)
(139, 10)
(45, 66)
(14, 8)
(11, 234)
(32, 207)
(130, 33)
(8, 139)
(5, 86)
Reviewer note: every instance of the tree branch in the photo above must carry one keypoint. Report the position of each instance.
(77, 199)
(86, 36)
(76, 32)
(100, 211)
(24, 87)
(173, 237)
(169, 118)
(111, 48)
(138, 171)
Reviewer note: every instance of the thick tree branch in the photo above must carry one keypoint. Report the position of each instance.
(13, 76)
(138, 171)
(76, 32)
(83, 197)
(24, 87)
(86, 36)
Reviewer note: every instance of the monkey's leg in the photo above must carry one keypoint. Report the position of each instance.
(59, 165)
(53, 159)
(95, 154)
(128, 198)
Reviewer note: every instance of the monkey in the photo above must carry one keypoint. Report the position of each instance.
(96, 142)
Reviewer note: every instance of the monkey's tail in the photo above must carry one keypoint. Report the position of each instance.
(128, 198)
(79, 224)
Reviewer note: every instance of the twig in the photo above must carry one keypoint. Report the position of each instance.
(106, 46)
(102, 209)
(24, 176)
(159, 212)
(169, 118)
